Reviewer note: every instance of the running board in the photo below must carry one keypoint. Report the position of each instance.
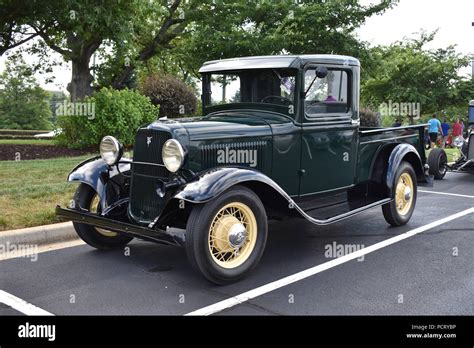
(340, 217)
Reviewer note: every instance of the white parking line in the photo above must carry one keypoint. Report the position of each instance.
(446, 194)
(233, 301)
(21, 305)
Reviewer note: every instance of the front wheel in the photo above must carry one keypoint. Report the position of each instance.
(87, 199)
(226, 237)
(404, 192)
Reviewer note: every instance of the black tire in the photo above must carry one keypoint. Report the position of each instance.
(83, 199)
(390, 211)
(198, 232)
(438, 161)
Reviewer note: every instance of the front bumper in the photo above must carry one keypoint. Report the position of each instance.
(153, 235)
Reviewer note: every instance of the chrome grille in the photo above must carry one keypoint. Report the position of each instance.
(147, 168)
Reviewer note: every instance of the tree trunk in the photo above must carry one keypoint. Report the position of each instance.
(81, 81)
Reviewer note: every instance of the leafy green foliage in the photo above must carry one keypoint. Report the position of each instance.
(74, 29)
(57, 97)
(117, 113)
(178, 35)
(406, 72)
(249, 27)
(23, 104)
(171, 94)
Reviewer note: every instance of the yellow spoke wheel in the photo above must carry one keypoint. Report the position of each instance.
(404, 194)
(232, 235)
(94, 209)
(226, 236)
(86, 198)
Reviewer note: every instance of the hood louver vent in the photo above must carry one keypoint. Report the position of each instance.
(242, 154)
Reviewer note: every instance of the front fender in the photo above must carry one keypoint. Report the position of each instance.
(403, 152)
(97, 174)
(209, 184)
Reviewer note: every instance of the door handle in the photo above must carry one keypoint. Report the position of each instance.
(355, 122)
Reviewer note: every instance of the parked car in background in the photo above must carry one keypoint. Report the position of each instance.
(48, 135)
(438, 160)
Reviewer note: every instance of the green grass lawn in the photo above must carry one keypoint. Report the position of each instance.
(26, 142)
(30, 191)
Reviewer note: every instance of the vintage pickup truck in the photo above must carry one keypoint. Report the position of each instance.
(280, 138)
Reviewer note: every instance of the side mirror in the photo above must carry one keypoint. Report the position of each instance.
(321, 72)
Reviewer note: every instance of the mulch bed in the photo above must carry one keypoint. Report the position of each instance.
(8, 152)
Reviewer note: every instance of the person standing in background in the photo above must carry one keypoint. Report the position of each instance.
(445, 133)
(457, 129)
(434, 128)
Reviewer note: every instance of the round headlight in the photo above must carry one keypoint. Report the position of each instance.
(110, 150)
(173, 155)
(458, 141)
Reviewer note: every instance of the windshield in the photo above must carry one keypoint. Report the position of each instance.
(265, 86)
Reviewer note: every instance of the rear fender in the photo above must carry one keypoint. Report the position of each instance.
(400, 153)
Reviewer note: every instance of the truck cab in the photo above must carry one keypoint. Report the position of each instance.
(316, 118)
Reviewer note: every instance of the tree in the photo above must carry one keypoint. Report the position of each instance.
(13, 29)
(23, 104)
(76, 29)
(128, 34)
(249, 27)
(406, 72)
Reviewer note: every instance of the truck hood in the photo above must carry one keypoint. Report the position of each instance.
(224, 125)
(203, 137)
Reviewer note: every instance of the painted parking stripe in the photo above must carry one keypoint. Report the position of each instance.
(233, 301)
(446, 194)
(21, 305)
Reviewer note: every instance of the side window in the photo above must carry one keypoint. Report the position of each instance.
(329, 95)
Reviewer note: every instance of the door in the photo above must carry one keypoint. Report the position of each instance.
(330, 131)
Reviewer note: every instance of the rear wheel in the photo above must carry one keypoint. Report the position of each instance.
(404, 192)
(226, 237)
(438, 162)
(87, 199)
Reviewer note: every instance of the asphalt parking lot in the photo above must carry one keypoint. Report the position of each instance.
(426, 273)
